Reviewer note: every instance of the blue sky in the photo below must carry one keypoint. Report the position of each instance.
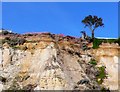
(59, 18)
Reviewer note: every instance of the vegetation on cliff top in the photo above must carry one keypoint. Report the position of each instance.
(12, 42)
(98, 42)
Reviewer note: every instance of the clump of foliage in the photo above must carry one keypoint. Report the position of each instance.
(96, 43)
(109, 40)
(93, 62)
(92, 22)
(101, 75)
(14, 41)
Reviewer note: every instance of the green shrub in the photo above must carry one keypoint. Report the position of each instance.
(101, 75)
(13, 41)
(93, 62)
(96, 43)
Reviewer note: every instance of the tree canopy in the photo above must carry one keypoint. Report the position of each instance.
(92, 22)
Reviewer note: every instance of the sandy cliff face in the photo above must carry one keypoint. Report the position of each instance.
(51, 66)
(47, 68)
(109, 56)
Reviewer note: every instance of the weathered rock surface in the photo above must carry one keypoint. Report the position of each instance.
(51, 66)
(110, 57)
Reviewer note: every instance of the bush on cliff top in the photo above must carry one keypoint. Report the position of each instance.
(97, 42)
(13, 41)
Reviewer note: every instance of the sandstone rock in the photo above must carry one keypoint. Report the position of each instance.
(53, 68)
(1, 87)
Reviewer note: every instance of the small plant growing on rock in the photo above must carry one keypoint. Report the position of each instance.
(101, 75)
(93, 62)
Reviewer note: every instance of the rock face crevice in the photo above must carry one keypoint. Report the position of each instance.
(50, 68)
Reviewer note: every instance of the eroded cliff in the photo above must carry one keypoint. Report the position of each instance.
(50, 64)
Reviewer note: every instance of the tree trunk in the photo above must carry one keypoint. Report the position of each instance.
(92, 34)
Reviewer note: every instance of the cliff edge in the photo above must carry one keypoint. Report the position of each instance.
(55, 62)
